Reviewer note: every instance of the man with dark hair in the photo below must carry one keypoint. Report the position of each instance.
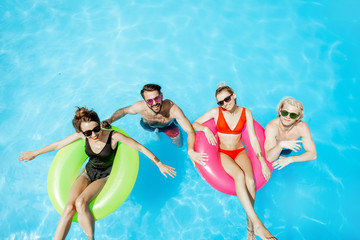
(160, 115)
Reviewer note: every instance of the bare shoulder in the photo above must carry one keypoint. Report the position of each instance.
(213, 113)
(303, 128)
(71, 138)
(247, 111)
(138, 106)
(171, 104)
(302, 124)
(273, 123)
(77, 135)
(117, 136)
(272, 127)
(174, 109)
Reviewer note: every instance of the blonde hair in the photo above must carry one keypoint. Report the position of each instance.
(292, 101)
(84, 115)
(221, 87)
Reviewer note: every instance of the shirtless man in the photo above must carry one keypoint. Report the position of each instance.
(283, 134)
(160, 115)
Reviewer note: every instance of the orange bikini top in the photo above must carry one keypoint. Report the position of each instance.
(223, 127)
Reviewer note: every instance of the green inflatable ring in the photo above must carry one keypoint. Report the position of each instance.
(65, 169)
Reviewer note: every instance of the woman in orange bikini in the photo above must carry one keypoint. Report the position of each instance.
(230, 120)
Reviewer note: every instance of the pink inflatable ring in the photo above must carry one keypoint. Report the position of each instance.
(214, 173)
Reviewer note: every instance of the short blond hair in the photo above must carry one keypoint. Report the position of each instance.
(292, 101)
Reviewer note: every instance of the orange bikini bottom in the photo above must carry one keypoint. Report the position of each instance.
(232, 153)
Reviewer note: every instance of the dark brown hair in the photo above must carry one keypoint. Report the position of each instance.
(150, 87)
(84, 115)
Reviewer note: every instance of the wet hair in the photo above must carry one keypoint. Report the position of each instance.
(292, 101)
(221, 87)
(150, 87)
(84, 115)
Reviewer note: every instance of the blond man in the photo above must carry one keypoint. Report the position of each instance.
(286, 133)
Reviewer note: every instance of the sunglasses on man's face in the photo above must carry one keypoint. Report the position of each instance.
(284, 113)
(88, 133)
(151, 101)
(227, 99)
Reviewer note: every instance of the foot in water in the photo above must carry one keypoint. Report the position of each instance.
(250, 230)
(250, 234)
(264, 234)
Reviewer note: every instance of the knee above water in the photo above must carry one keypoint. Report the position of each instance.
(69, 209)
(80, 204)
(239, 175)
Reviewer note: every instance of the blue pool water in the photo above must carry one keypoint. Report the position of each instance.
(55, 55)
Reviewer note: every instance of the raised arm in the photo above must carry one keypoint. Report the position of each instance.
(255, 144)
(27, 156)
(164, 169)
(185, 124)
(133, 109)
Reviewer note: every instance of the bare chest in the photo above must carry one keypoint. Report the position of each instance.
(156, 119)
(293, 134)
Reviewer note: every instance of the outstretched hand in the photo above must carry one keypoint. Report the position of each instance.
(282, 162)
(165, 169)
(200, 158)
(291, 144)
(27, 156)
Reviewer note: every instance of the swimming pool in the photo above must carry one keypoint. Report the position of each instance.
(56, 55)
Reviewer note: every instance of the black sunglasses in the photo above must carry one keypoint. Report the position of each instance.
(284, 113)
(88, 133)
(227, 99)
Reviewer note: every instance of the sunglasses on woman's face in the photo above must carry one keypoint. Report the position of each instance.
(284, 113)
(151, 101)
(227, 99)
(88, 133)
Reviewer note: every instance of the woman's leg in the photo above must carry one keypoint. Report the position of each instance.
(85, 216)
(69, 211)
(244, 162)
(234, 170)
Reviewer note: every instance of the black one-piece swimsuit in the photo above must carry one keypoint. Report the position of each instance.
(100, 165)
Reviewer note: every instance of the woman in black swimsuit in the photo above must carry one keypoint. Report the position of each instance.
(100, 146)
